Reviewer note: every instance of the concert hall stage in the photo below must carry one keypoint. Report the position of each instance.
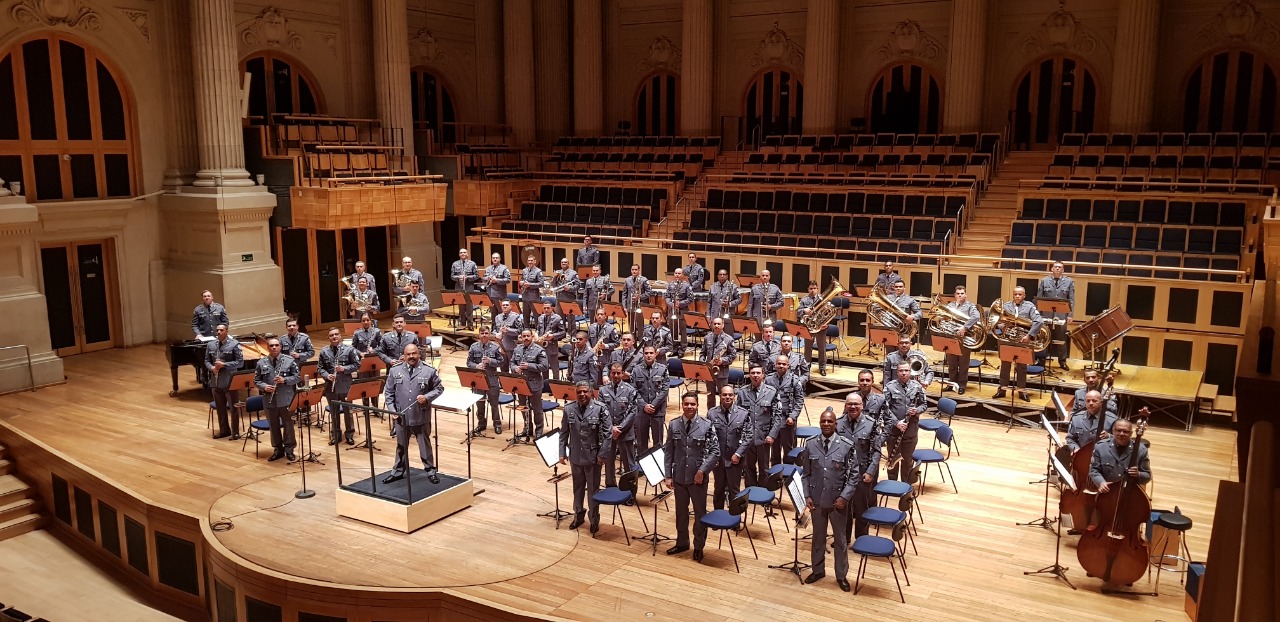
(114, 439)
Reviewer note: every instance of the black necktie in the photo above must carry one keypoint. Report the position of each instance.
(826, 445)
(688, 423)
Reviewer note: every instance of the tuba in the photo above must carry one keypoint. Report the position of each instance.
(400, 279)
(885, 313)
(946, 321)
(822, 312)
(1013, 329)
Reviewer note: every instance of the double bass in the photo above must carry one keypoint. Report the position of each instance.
(1115, 550)
(1079, 502)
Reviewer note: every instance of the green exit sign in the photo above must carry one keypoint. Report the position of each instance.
(246, 257)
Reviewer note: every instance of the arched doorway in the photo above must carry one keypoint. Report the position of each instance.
(774, 104)
(658, 105)
(1231, 91)
(905, 99)
(279, 85)
(433, 106)
(1053, 96)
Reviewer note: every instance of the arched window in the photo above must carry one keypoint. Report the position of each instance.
(279, 85)
(774, 105)
(66, 124)
(1231, 91)
(657, 105)
(906, 99)
(432, 105)
(1054, 96)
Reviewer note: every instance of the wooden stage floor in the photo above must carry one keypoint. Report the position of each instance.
(114, 416)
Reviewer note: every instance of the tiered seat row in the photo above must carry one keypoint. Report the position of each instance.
(1186, 167)
(977, 164)
(846, 202)
(1173, 143)
(1131, 263)
(593, 175)
(636, 143)
(1208, 213)
(532, 229)
(479, 160)
(687, 165)
(1117, 236)
(914, 180)
(625, 216)
(1138, 183)
(819, 246)
(884, 143)
(923, 228)
(602, 195)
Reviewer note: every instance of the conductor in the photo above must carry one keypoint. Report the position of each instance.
(410, 389)
(828, 463)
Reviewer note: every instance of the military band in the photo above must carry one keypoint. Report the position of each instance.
(696, 273)
(486, 356)
(363, 300)
(296, 343)
(582, 361)
(531, 282)
(679, 297)
(887, 278)
(958, 363)
(828, 474)
(410, 390)
(408, 274)
(718, 352)
(798, 365)
(595, 290)
(367, 341)
(636, 291)
(1084, 424)
(765, 351)
(1057, 286)
(604, 339)
(790, 403)
(550, 331)
(415, 305)
(339, 363)
(904, 400)
(627, 355)
(394, 341)
(465, 274)
(529, 361)
(1093, 382)
(725, 296)
(1019, 307)
(761, 401)
(276, 377)
(363, 273)
(588, 255)
(207, 315)
(507, 326)
(570, 286)
(765, 300)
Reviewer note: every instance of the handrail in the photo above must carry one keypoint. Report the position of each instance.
(31, 374)
(634, 242)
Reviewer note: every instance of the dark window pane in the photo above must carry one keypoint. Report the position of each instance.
(257, 87)
(8, 102)
(112, 104)
(84, 177)
(35, 55)
(415, 97)
(48, 178)
(75, 91)
(1267, 110)
(116, 168)
(11, 170)
(1191, 102)
(306, 101)
(1217, 97)
(57, 297)
(282, 86)
(1244, 91)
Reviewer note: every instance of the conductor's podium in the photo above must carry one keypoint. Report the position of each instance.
(405, 505)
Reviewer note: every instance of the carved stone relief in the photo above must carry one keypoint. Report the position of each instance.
(909, 40)
(271, 28)
(70, 13)
(1060, 32)
(139, 19)
(663, 53)
(424, 48)
(776, 48)
(1239, 22)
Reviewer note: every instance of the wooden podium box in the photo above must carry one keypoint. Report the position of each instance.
(392, 507)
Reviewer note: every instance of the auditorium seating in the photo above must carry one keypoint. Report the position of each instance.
(602, 195)
(533, 229)
(1170, 161)
(883, 143)
(821, 247)
(913, 180)
(686, 166)
(331, 151)
(481, 159)
(851, 202)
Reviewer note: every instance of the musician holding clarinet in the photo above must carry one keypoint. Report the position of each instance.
(221, 360)
(277, 378)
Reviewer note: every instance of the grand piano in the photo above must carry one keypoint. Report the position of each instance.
(191, 352)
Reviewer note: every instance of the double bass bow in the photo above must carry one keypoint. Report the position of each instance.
(1115, 550)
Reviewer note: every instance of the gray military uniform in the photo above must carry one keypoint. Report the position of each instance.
(591, 291)
(534, 359)
(497, 288)
(819, 339)
(552, 327)
(277, 404)
(735, 433)
(300, 345)
(392, 345)
(679, 298)
(1026, 310)
(205, 320)
(692, 446)
(896, 358)
(828, 463)
(475, 356)
(597, 332)
(337, 385)
(764, 302)
(531, 282)
(417, 308)
(1083, 429)
(697, 276)
(587, 256)
(1063, 288)
(464, 273)
(790, 403)
(868, 440)
(583, 367)
(658, 337)
(652, 383)
(1110, 462)
(720, 293)
(636, 291)
(710, 344)
(232, 357)
(507, 327)
(958, 363)
(1109, 404)
(585, 441)
(404, 385)
(766, 421)
(764, 354)
(620, 401)
(898, 399)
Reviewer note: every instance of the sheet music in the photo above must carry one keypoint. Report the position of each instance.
(549, 447)
(204, 339)
(1053, 434)
(795, 488)
(456, 400)
(1063, 415)
(1063, 473)
(653, 463)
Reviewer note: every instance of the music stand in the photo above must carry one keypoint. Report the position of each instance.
(1054, 307)
(240, 381)
(366, 388)
(613, 310)
(481, 301)
(454, 299)
(653, 464)
(516, 385)
(1015, 355)
(747, 280)
(646, 311)
(573, 310)
(540, 306)
(461, 401)
(698, 371)
(948, 345)
(425, 337)
(881, 336)
(584, 271)
(862, 291)
(548, 446)
(796, 329)
(562, 390)
(349, 327)
(476, 380)
(1057, 569)
(1054, 443)
(305, 400)
(795, 489)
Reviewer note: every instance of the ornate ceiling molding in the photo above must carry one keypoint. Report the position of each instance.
(69, 13)
(777, 48)
(1061, 32)
(424, 49)
(1239, 22)
(139, 19)
(271, 28)
(909, 40)
(662, 53)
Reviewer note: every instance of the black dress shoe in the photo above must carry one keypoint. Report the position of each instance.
(497, 429)
(822, 372)
(999, 394)
(814, 577)
(291, 456)
(960, 391)
(843, 583)
(697, 555)
(1062, 363)
(275, 456)
(392, 478)
(351, 440)
(477, 431)
(595, 526)
(221, 435)
(333, 441)
(677, 549)
(524, 433)
(1074, 532)
(433, 478)
(1022, 395)
(577, 522)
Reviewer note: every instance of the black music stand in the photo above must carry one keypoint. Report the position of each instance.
(698, 372)
(240, 381)
(795, 489)
(1054, 306)
(883, 337)
(366, 388)
(562, 390)
(454, 299)
(573, 310)
(516, 385)
(476, 380)
(948, 345)
(548, 446)
(1015, 355)
(653, 464)
(459, 401)
(1054, 443)
(480, 301)
(698, 322)
(861, 292)
(303, 402)
(1057, 569)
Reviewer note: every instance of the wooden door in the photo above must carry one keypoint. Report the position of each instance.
(81, 296)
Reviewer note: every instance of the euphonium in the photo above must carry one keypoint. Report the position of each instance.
(1013, 329)
(346, 280)
(400, 279)
(947, 321)
(886, 314)
(822, 312)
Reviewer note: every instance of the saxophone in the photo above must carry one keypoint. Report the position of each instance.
(716, 355)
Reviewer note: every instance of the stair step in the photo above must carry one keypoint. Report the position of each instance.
(6, 467)
(12, 489)
(18, 526)
(21, 507)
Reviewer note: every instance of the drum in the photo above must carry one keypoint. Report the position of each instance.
(1104, 328)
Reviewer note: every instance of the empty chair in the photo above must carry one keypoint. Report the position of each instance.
(1153, 210)
(1173, 240)
(1179, 213)
(1079, 209)
(616, 496)
(1128, 210)
(1147, 238)
(1033, 208)
(1104, 210)
(1046, 234)
(1069, 234)
(1055, 209)
(1227, 242)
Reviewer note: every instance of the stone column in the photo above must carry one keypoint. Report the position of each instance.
(696, 83)
(966, 66)
(23, 307)
(181, 143)
(517, 54)
(216, 70)
(821, 72)
(588, 68)
(552, 69)
(391, 69)
(489, 61)
(1133, 84)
